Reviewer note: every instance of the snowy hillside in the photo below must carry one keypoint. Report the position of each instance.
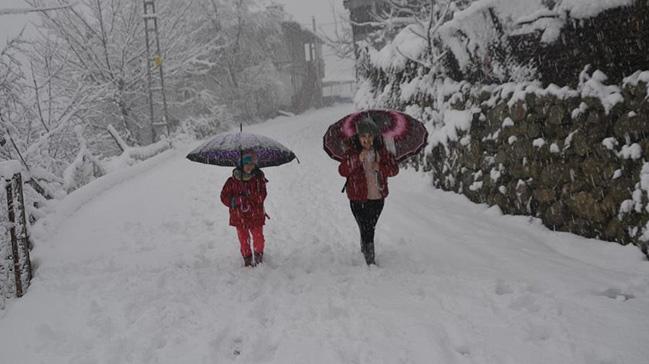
(148, 271)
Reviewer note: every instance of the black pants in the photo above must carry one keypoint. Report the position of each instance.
(367, 215)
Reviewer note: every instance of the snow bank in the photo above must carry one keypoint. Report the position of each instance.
(133, 155)
(84, 168)
(57, 211)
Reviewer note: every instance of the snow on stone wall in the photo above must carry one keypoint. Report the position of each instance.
(582, 172)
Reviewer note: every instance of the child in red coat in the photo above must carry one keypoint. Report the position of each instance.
(244, 194)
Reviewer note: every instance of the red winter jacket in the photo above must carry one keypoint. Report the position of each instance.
(352, 168)
(245, 199)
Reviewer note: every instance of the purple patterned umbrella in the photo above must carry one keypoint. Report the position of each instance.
(225, 150)
(404, 135)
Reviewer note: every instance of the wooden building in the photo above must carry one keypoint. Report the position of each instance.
(301, 66)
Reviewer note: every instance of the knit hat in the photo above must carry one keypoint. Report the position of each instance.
(367, 126)
(248, 157)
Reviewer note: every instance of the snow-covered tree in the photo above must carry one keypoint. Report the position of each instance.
(340, 38)
(241, 64)
(98, 50)
(86, 70)
(11, 91)
(422, 17)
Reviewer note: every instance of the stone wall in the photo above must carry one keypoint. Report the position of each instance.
(572, 158)
(615, 41)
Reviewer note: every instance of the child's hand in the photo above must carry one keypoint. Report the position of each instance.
(237, 202)
(241, 202)
(363, 155)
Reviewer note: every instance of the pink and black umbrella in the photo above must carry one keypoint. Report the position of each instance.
(403, 135)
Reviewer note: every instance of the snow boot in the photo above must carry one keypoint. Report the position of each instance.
(247, 261)
(368, 252)
(259, 258)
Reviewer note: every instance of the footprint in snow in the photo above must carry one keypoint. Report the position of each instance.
(525, 302)
(538, 333)
(616, 294)
(237, 346)
(463, 350)
(503, 288)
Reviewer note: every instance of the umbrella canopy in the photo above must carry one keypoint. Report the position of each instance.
(225, 150)
(403, 135)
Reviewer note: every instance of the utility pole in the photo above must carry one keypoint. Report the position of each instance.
(156, 85)
(316, 62)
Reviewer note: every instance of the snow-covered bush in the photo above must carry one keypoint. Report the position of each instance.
(84, 169)
(201, 127)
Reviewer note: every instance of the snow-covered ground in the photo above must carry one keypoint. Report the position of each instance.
(149, 272)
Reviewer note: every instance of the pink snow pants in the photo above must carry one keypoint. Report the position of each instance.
(257, 238)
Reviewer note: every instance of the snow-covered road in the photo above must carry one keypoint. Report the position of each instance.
(149, 272)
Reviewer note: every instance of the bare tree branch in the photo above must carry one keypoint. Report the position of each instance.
(34, 10)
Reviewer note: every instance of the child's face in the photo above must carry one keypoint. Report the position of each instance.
(367, 140)
(248, 168)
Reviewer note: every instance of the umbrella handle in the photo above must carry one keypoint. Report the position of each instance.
(244, 210)
(390, 145)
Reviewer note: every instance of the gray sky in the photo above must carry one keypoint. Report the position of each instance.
(325, 12)
(303, 10)
(10, 25)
